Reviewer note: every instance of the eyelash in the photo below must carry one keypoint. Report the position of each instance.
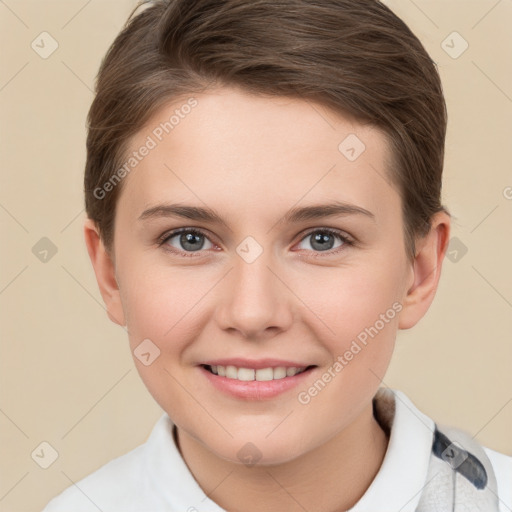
(347, 241)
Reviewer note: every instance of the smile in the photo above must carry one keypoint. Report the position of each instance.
(249, 374)
(254, 380)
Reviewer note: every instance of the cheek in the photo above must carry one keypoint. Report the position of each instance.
(161, 302)
(352, 301)
(356, 320)
(158, 307)
(359, 319)
(159, 320)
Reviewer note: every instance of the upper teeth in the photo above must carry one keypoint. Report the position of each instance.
(232, 372)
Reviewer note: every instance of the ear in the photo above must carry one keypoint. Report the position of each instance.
(426, 271)
(105, 273)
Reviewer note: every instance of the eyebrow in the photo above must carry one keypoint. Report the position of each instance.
(294, 215)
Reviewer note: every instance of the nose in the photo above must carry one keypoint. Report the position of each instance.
(255, 300)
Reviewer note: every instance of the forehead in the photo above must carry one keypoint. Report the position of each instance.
(232, 149)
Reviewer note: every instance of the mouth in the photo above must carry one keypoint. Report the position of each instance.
(262, 383)
(255, 374)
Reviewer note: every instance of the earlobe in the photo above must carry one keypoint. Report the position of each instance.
(105, 273)
(427, 265)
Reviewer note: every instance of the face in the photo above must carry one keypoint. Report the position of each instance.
(229, 259)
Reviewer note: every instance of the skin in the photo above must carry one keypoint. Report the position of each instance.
(251, 159)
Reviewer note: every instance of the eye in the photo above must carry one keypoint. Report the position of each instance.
(324, 239)
(186, 240)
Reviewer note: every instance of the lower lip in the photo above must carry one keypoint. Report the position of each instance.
(254, 389)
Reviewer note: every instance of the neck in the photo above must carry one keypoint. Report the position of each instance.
(332, 477)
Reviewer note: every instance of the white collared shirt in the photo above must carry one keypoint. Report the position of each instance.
(154, 477)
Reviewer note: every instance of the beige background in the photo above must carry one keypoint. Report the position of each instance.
(67, 376)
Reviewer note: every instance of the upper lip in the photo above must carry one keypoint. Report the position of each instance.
(255, 363)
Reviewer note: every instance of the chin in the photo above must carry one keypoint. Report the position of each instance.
(250, 450)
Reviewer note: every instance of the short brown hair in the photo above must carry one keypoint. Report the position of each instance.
(353, 56)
